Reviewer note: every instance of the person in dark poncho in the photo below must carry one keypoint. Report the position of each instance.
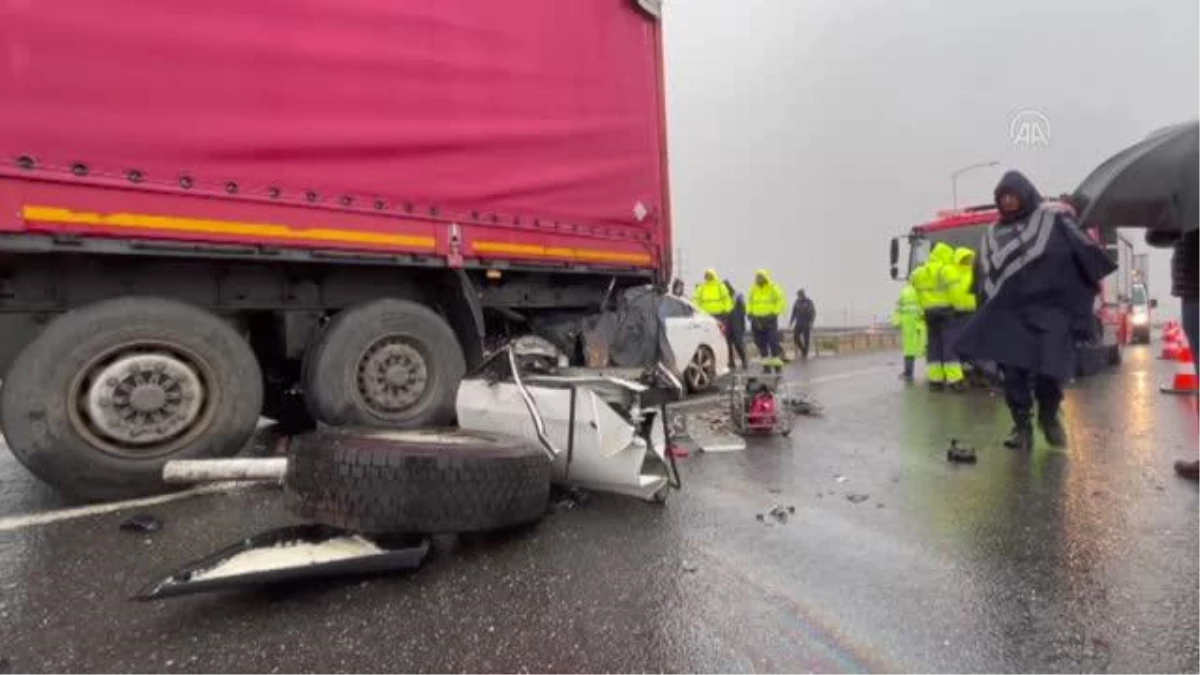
(735, 327)
(1039, 273)
(1185, 284)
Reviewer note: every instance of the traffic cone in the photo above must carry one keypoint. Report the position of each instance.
(1171, 342)
(1185, 376)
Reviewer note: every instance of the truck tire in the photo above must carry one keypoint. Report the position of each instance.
(109, 392)
(386, 363)
(427, 482)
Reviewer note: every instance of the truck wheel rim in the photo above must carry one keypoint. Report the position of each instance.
(392, 375)
(140, 401)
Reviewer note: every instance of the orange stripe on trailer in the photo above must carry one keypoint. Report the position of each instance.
(141, 221)
(538, 251)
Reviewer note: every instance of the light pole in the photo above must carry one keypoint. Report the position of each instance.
(970, 167)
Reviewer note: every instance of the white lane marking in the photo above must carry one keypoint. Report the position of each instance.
(847, 376)
(20, 522)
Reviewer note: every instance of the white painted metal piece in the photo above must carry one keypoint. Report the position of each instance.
(187, 471)
(607, 454)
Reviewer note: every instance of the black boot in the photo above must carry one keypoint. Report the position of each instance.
(1021, 437)
(1053, 430)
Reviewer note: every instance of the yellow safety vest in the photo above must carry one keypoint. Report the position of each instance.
(713, 297)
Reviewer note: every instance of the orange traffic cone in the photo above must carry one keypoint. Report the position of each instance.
(1185, 376)
(1171, 342)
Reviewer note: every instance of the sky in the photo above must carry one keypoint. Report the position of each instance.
(804, 134)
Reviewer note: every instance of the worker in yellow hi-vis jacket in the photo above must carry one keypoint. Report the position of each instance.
(910, 319)
(766, 303)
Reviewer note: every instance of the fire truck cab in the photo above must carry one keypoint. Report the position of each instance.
(966, 227)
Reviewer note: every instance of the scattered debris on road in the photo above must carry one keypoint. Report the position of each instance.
(290, 554)
(802, 403)
(567, 498)
(716, 421)
(141, 522)
(689, 567)
(293, 553)
(960, 454)
(857, 497)
(777, 514)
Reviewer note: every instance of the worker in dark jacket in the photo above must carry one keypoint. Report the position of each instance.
(735, 327)
(804, 314)
(1185, 285)
(1040, 273)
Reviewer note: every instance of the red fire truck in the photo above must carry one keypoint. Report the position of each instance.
(966, 226)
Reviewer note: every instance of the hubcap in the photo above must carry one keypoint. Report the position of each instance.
(392, 375)
(143, 399)
(701, 369)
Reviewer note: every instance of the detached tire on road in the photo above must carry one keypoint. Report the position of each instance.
(109, 392)
(386, 363)
(429, 482)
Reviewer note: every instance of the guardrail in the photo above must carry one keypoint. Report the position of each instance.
(834, 341)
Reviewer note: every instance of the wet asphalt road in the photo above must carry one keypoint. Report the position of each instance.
(1059, 561)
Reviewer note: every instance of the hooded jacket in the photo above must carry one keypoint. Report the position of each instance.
(1039, 273)
(928, 279)
(804, 312)
(959, 280)
(713, 296)
(909, 318)
(766, 300)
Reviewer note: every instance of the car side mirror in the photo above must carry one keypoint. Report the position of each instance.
(1153, 303)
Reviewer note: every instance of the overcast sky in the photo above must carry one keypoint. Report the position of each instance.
(806, 133)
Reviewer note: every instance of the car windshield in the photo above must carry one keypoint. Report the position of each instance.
(968, 236)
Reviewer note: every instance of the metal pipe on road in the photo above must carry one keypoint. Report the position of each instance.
(189, 471)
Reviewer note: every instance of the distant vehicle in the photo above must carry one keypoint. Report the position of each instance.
(697, 340)
(966, 227)
(1141, 315)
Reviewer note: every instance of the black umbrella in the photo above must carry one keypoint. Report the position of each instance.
(1151, 184)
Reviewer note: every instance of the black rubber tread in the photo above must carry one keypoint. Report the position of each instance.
(360, 480)
(330, 367)
(33, 401)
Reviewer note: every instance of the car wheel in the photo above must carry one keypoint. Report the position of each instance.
(701, 372)
(109, 392)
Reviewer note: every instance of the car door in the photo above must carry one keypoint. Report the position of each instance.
(683, 331)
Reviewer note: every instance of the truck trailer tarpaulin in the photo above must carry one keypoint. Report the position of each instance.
(325, 211)
(539, 121)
